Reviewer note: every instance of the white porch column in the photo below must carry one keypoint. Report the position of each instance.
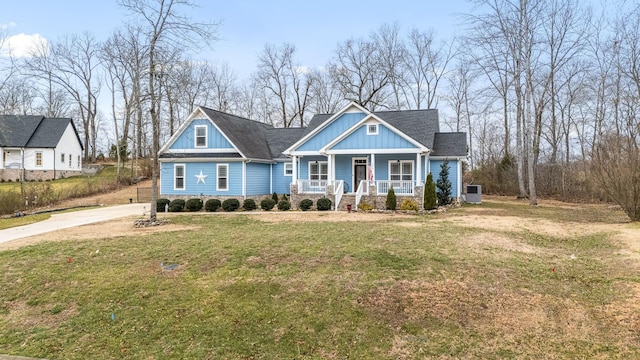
(330, 169)
(418, 168)
(373, 169)
(294, 169)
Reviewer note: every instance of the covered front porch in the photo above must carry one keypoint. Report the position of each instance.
(351, 178)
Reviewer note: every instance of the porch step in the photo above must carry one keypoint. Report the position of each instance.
(347, 199)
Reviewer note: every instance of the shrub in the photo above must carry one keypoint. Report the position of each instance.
(444, 185)
(408, 204)
(267, 204)
(305, 204)
(176, 205)
(323, 204)
(249, 204)
(284, 197)
(212, 205)
(194, 204)
(284, 205)
(161, 203)
(365, 206)
(430, 199)
(391, 199)
(274, 197)
(230, 205)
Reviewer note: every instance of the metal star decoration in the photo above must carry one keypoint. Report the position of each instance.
(201, 177)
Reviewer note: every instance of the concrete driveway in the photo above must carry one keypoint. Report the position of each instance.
(74, 218)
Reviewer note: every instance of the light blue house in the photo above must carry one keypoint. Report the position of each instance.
(351, 156)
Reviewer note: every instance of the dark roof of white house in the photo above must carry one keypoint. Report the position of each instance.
(452, 144)
(29, 131)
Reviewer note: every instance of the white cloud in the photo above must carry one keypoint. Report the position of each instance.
(21, 45)
(7, 26)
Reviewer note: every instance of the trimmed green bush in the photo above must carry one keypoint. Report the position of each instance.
(284, 197)
(176, 205)
(161, 203)
(267, 204)
(212, 205)
(391, 199)
(230, 205)
(249, 204)
(305, 204)
(274, 197)
(430, 198)
(444, 185)
(323, 204)
(284, 205)
(194, 204)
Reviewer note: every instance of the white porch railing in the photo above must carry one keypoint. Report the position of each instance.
(363, 188)
(312, 186)
(338, 190)
(399, 187)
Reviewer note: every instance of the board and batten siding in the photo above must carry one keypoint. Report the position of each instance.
(192, 188)
(331, 131)
(384, 139)
(281, 182)
(258, 179)
(454, 175)
(215, 140)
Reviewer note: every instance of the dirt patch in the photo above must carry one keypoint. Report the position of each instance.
(496, 241)
(23, 316)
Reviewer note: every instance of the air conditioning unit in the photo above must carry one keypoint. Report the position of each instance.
(474, 194)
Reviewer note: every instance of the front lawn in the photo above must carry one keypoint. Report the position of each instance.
(396, 288)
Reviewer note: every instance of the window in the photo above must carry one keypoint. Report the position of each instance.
(201, 136)
(372, 129)
(288, 169)
(223, 177)
(70, 159)
(178, 177)
(318, 170)
(38, 158)
(401, 170)
(78, 161)
(62, 158)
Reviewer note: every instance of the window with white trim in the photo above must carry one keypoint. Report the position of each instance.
(401, 170)
(70, 160)
(223, 177)
(178, 177)
(318, 170)
(78, 161)
(288, 169)
(372, 129)
(201, 136)
(38, 158)
(62, 158)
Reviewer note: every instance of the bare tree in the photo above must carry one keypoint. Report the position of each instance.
(164, 27)
(360, 72)
(73, 63)
(426, 63)
(287, 83)
(325, 95)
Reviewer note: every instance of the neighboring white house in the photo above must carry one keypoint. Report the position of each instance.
(39, 148)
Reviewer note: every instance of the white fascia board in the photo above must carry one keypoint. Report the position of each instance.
(200, 151)
(185, 124)
(350, 108)
(306, 153)
(375, 151)
(447, 157)
(181, 160)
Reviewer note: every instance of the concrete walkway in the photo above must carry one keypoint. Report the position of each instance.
(71, 219)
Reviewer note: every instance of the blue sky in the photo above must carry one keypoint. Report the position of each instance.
(315, 27)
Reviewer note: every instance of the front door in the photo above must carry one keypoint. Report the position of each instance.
(359, 173)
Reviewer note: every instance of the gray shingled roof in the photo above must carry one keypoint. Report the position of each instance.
(420, 125)
(33, 131)
(247, 135)
(280, 139)
(450, 144)
(16, 130)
